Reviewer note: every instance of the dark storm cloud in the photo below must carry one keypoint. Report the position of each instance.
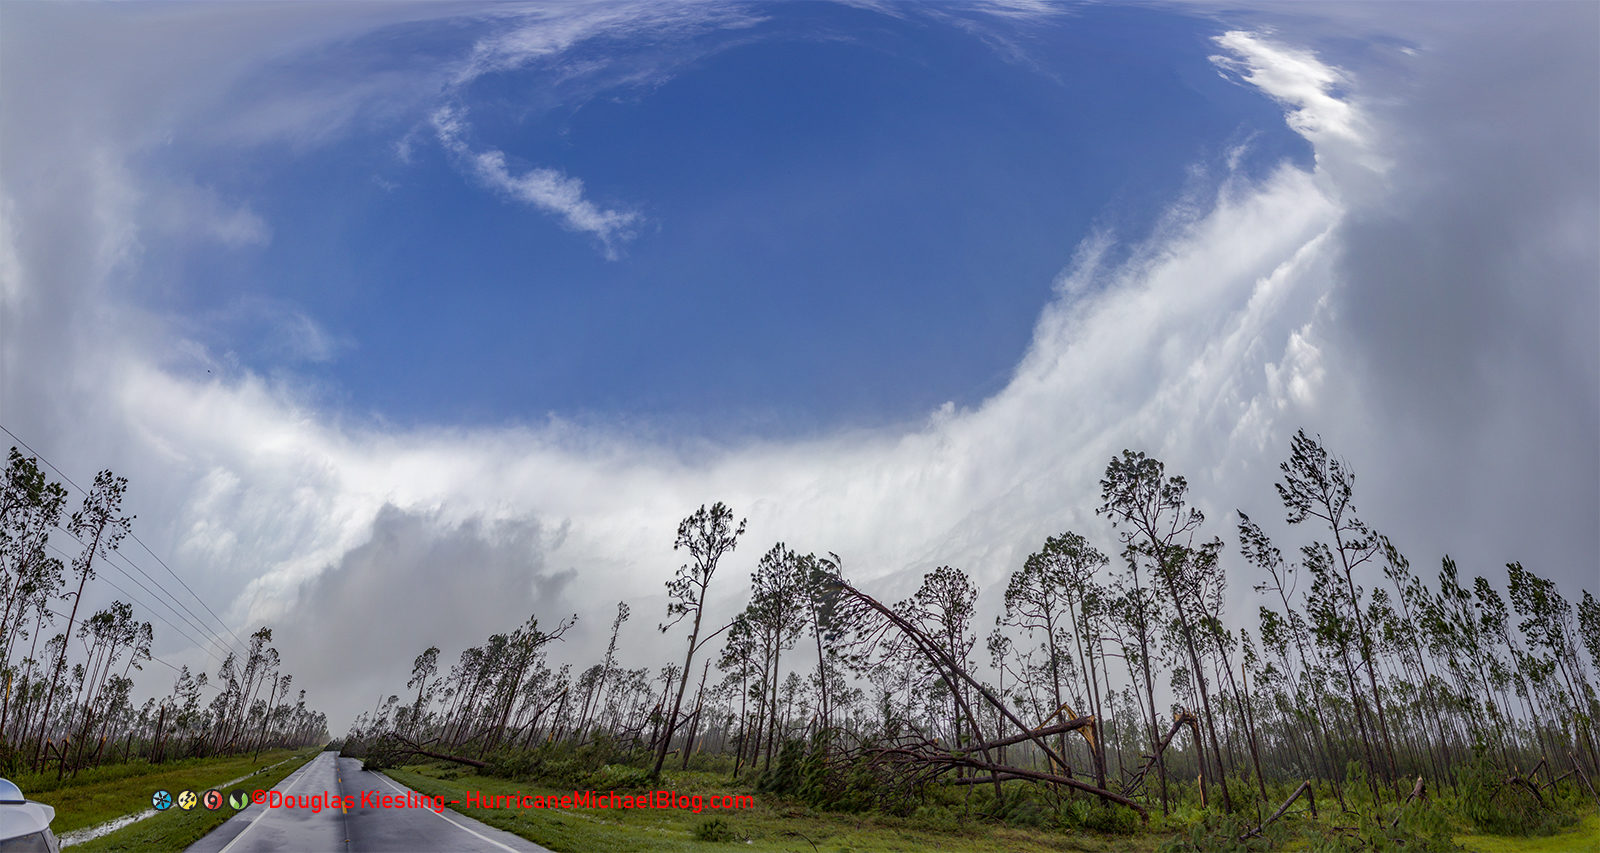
(1470, 300)
(417, 582)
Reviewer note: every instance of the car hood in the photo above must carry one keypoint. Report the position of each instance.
(24, 818)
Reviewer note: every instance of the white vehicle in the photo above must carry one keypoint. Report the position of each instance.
(24, 824)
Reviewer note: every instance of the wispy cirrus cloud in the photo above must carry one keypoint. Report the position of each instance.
(548, 35)
(545, 34)
(187, 209)
(545, 189)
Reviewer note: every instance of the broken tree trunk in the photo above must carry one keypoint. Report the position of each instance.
(1418, 791)
(1585, 777)
(404, 745)
(1304, 789)
(1179, 720)
(920, 760)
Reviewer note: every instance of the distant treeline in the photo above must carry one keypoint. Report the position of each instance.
(68, 674)
(1113, 669)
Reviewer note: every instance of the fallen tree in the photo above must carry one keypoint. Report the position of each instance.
(390, 747)
(1303, 791)
(919, 759)
(1183, 718)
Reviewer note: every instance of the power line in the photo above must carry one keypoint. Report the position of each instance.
(180, 671)
(151, 610)
(186, 587)
(41, 458)
(242, 647)
(200, 629)
(197, 624)
(148, 656)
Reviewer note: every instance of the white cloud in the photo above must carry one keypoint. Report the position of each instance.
(1296, 78)
(545, 33)
(1022, 9)
(546, 189)
(301, 338)
(1310, 88)
(1188, 333)
(548, 34)
(184, 210)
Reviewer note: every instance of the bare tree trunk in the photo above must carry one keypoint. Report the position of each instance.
(694, 720)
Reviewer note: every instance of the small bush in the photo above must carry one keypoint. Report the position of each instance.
(1375, 834)
(810, 774)
(1493, 803)
(1104, 817)
(619, 777)
(787, 776)
(715, 829)
(937, 819)
(1022, 810)
(1221, 833)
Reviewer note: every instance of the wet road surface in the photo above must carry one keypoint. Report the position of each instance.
(361, 828)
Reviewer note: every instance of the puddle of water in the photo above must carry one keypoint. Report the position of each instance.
(79, 836)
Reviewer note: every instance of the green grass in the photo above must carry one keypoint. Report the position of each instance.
(777, 824)
(174, 829)
(106, 793)
(1582, 838)
(773, 825)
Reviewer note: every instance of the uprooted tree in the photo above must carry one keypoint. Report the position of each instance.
(876, 633)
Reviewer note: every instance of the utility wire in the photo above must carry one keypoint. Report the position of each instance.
(147, 657)
(243, 647)
(194, 623)
(152, 611)
(186, 588)
(197, 623)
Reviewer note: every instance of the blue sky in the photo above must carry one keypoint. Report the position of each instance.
(407, 320)
(842, 218)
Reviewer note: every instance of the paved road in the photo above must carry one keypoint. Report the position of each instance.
(359, 829)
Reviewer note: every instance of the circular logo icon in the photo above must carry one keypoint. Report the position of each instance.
(212, 800)
(239, 798)
(187, 800)
(161, 800)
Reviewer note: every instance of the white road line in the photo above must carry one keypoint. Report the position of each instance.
(304, 772)
(440, 815)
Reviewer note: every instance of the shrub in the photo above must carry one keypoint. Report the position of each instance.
(619, 777)
(715, 829)
(1497, 804)
(815, 776)
(1105, 817)
(1221, 833)
(1023, 810)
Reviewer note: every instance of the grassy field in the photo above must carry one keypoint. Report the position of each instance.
(104, 793)
(1583, 838)
(779, 825)
(175, 829)
(773, 825)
